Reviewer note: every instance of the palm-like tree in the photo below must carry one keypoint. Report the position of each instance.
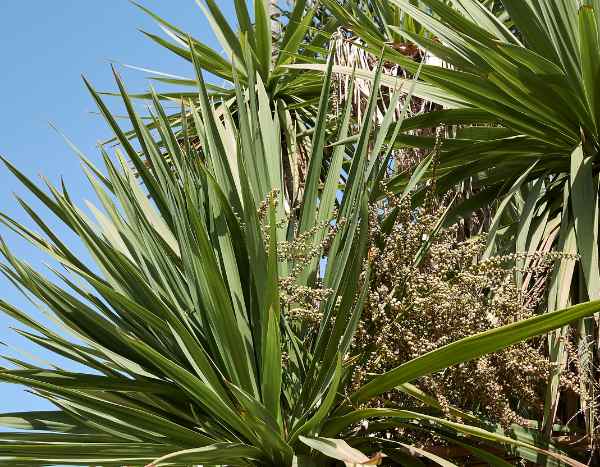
(262, 44)
(520, 85)
(258, 49)
(191, 353)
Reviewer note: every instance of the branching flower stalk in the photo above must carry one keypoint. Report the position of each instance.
(413, 309)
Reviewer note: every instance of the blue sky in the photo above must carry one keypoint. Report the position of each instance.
(45, 47)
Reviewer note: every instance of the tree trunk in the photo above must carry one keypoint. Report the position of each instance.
(274, 13)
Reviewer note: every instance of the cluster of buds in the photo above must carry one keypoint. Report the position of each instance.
(416, 307)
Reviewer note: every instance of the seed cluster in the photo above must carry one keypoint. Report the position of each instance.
(419, 303)
(301, 252)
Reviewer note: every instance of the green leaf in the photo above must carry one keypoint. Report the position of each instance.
(225, 35)
(264, 47)
(585, 213)
(338, 424)
(590, 60)
(271, 355)
(493, 230)
(336, 449)
(229, 453)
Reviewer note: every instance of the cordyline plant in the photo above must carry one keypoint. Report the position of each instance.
(520, 90)
(179, 320)
(260, 44)
(263, 43)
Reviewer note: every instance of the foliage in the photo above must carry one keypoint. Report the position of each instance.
(519, 88)
(259, 45)
(215, 320)
(262, 46)
(179, 321)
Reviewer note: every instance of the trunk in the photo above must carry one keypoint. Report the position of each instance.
(274, 13)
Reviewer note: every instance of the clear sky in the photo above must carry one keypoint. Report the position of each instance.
(45, 47)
